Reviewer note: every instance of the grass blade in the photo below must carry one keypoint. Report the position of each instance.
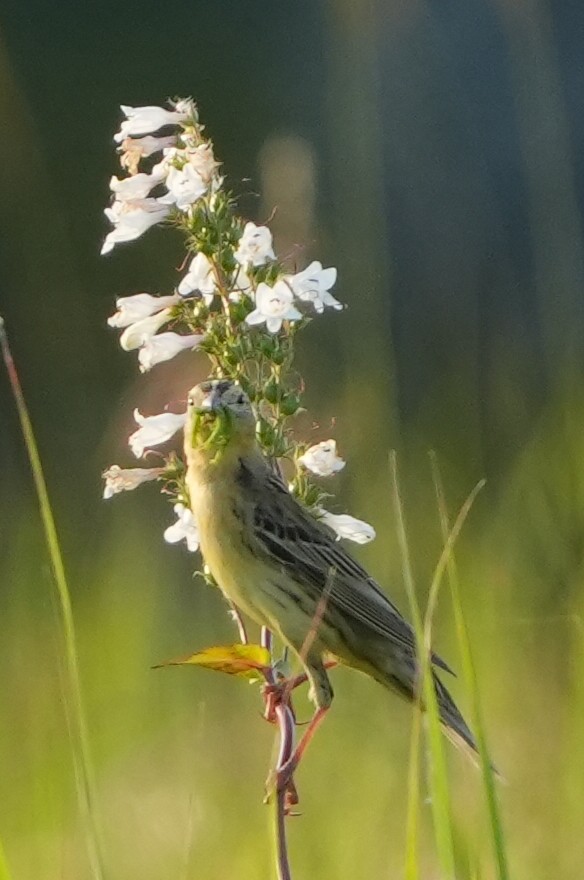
(438, 778)
(4, 872)
(72, 690)
(469, 672)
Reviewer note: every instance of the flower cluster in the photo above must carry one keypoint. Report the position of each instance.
(236, 302)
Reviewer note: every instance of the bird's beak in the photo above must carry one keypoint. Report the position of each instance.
(209, 403)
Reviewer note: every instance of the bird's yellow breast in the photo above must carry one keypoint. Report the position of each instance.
(222, 528)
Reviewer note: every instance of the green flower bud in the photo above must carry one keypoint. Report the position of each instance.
(272, 392)
(290, 404)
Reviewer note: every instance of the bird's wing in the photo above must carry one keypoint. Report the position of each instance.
(287, 533)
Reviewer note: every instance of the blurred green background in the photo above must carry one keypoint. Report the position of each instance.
(433, 152)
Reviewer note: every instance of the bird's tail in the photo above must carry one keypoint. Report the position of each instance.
(455, 727)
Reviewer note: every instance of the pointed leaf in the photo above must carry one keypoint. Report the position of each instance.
(244, 661)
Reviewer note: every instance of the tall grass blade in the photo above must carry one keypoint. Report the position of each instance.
(469, 672)
(72, 688)
(413, 807)
(4, 871)
(438, 779)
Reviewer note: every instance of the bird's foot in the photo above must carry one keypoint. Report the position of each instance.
(275, 694)
(282, 782)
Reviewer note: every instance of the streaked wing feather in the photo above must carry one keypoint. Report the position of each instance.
(311, 554)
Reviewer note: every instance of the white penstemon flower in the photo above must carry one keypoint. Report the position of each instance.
(133, 150)
(131, 309)
(139, 333)
(322, 459)
(165, 346)
(185, 185)
(200, 278)
(274, 305)
(145, 120)
(131, 219)
(255, 246)
(202, 159)
(347, 526)
(313, 285)
(119, 479)
(184, 529)
(239, 285)
(137, 186)
(154, 430)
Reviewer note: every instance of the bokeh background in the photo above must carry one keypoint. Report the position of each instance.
(433, 152)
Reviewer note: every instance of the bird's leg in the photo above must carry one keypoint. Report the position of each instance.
(285, 773)
(322, 694)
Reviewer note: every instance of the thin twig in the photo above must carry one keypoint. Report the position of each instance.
(286, 728)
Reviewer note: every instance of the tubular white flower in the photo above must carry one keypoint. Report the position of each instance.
(137, 186)
(322, 459)
(144, 120)
(273, 306)
(135, 308)
(255, 246)
(184, 529)
(119, 479)
(131, 219)
(164, 347)
(186, 106)
(347, 526)
(313, 285)
(137, 334)
(133, 150)
(185, 185)
(154, 430)
(202, 159)
(199, 279)
(240, 285)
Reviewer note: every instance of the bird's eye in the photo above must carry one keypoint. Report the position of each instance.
(240, 400)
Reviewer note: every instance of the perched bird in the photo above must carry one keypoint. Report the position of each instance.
(277, 563)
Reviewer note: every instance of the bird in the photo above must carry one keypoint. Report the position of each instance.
(277, 563)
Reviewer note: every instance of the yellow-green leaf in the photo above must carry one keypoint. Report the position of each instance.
(245, 661)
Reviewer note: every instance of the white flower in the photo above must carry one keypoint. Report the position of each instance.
(137, 334)
(131, 219)
(137, 186)
(154, 430)
(184, 529)
(273, 305)
(164, 347)
(199, 278)
(255, 246)
(347, 526)
(143, 120)
(119, 479)
(185, 185)
(134, 149)
(202, 159)
(134, 308)
(185, 106)
(322, 459)
(239, 285)
(313, 285)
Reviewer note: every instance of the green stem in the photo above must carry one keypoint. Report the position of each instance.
(72, 698)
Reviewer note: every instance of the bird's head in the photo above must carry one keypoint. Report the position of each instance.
(219, 412)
